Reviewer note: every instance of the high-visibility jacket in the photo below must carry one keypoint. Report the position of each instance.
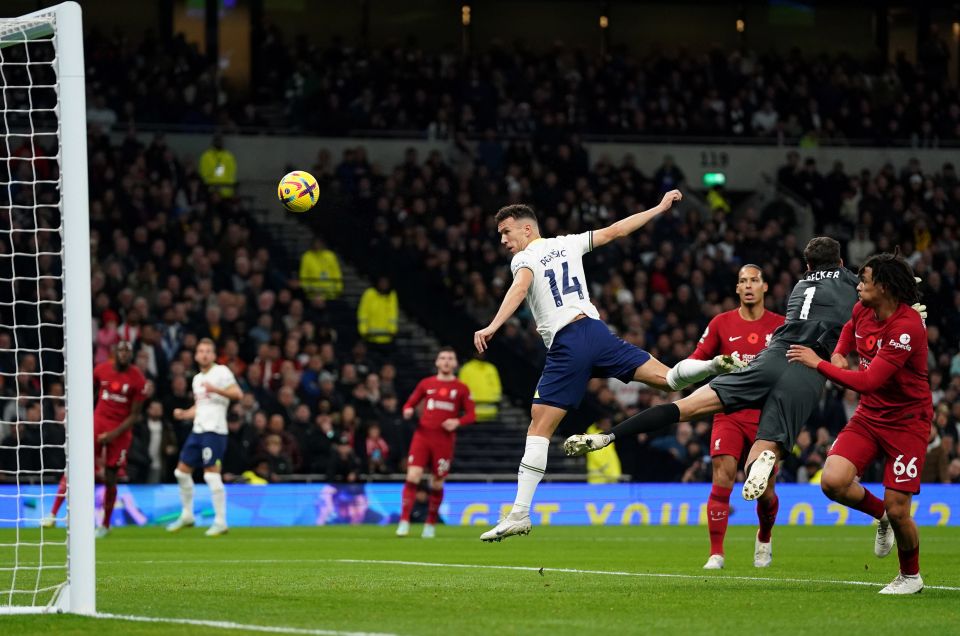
(320, 274)
(377, 316)
(603, 466)
(218, 168)
(483, 380)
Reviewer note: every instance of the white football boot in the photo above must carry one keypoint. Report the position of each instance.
(715, 562)
(403, 529)
(762, 553)
(216, 530)
(904, 584)
(885, 539)
(429, 531)
(180, 524)
(583, 444)
(509, 526)
(48, 522)
(760, 472)
(101, 532)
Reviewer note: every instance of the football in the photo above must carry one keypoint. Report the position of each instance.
(298, 191)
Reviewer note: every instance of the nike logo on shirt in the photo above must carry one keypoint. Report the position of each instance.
(900, 481)
(858, 335)
(732, 338)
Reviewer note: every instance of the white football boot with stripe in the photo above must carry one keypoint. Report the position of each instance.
(760, 472)
(512, 524)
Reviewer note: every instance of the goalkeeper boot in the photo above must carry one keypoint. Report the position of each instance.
(885, 539)
(403, 528)
(429, 531)
(583, 444)
(216, 529)
(180, 524)
(760, 472)
(512, 524)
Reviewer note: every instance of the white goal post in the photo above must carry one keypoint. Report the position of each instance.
(44, 223)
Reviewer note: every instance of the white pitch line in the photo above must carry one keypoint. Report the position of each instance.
(241, 626)
(522, 568)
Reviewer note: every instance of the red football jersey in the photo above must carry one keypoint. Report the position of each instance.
(729, 333)
(444, 399)
(116, 392)
(900, 340)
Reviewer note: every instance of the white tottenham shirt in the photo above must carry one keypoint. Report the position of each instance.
(211, 415)
(559, 292)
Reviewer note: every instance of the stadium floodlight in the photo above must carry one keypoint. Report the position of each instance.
(45, 312)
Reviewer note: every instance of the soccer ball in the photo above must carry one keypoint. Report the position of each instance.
(298, 191)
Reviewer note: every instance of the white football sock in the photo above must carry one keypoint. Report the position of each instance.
(185, 481)
(689, 371)
(532, 467)
(218, 495)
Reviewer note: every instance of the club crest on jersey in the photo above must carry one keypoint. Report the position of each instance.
(767, 342)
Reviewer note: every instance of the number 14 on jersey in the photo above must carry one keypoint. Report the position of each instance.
(567, 287)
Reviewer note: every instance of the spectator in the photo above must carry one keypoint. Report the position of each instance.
(154, 451)
(936, 466)
(378, 451)
(378, 314)
(218, 168)
(320, 272)
(483, 380)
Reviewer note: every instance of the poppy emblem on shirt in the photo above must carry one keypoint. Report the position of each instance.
(871, 340)
(753, 338)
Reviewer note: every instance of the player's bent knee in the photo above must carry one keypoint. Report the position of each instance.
(833, 486)
(214, 480)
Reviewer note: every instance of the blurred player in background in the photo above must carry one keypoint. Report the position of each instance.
(120, 393)
(893, 418)
(549, 274)
(447, 407)
(213, 389)
(742, 332)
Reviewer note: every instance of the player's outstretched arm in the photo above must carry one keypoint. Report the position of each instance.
(634, 222)
(512, 300)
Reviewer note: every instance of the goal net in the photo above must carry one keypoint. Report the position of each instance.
(45, 341)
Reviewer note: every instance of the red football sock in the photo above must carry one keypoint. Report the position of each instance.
(870, 505)
(767, 515)
(61, 496)
(909, 560)
(109, 499)
(407, 499)
(718, 512)
(433, 505)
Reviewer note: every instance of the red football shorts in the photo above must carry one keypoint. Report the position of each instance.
(734, 434)
(433, 450)
(903, 444)
(114, 453)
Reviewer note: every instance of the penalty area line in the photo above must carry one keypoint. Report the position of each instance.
(653, 575)
(269, 629)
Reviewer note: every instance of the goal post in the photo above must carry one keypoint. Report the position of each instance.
(46, 209)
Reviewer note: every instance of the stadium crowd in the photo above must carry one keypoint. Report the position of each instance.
(515, 91)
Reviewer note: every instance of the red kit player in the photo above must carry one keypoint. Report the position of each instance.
(445, 399)
(743, 333)
(893, 418)
(120, 392)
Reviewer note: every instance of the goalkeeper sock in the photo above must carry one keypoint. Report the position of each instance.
(652, 419)
(61, 496)
(185, 481)
(689, 371)
(532, 467)
(407, 500)
(433, 505)
(218, 495)
(109, 499)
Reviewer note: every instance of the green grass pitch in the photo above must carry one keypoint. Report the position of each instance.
(340, 579)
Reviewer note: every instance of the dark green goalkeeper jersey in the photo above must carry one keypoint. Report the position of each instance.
(819, 306)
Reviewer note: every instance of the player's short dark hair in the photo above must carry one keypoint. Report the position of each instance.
(822, 252)
(756, 267)
(895, 274)
(208, 341)
(447, 350)
(516, 211)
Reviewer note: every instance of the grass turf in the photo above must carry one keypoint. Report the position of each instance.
(291, 577)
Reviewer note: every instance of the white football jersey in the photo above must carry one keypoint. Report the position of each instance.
(559, 290)
(211, 415)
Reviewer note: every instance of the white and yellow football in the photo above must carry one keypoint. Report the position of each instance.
(298, 191)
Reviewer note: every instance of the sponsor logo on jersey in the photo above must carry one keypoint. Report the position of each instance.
(903, 346)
